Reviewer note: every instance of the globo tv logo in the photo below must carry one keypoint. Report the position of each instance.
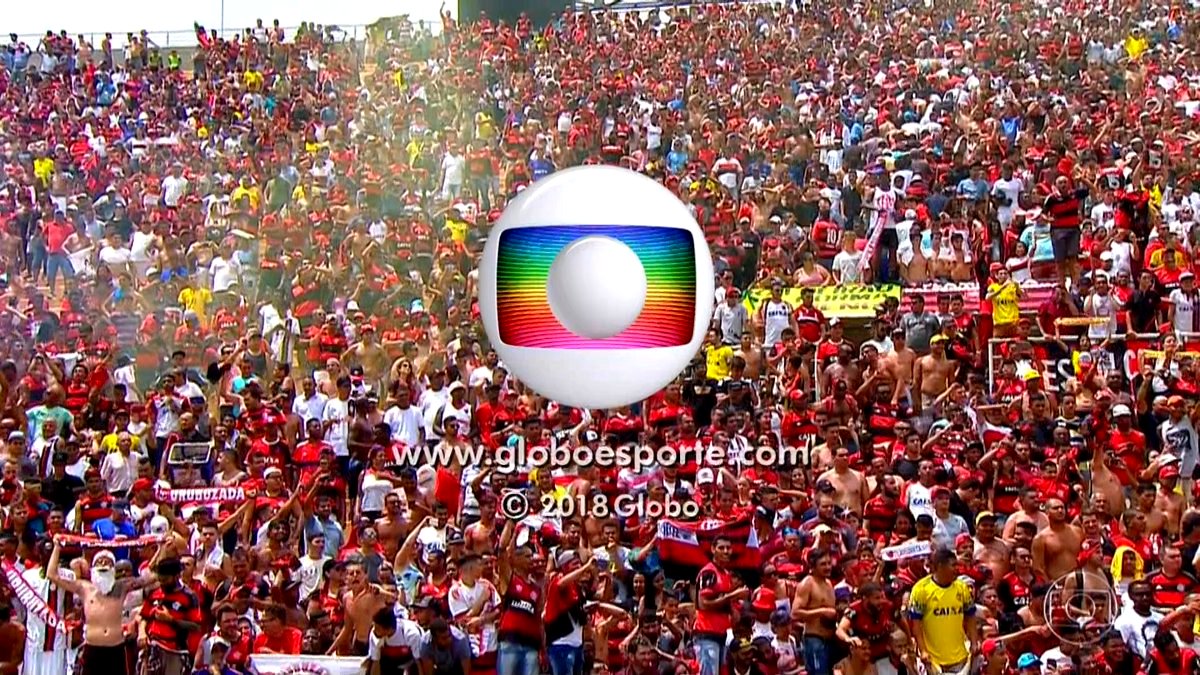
(596, 287)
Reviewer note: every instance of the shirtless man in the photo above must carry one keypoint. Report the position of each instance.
(392, 526)
(275, 547)
(1168, 502)
(371, 356)
(960, 264)
(990, 551)
(932, 376)
(1094, 582)
(752, 354)
(355, 245)
(12, 642)
(877, 379)
(1108, 495)
(916, 270)
(1056, 548)
(103, 601)
(823, 454)
(850, 486)
(899, 364)
(362, 601)
(1031, 512)
(1144, 503)
(816, 606)
(480, 537)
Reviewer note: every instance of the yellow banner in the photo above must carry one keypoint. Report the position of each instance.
(844, 302)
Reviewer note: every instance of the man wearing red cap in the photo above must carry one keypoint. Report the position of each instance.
(1095, 579)
(762, 604)
(1168, 500)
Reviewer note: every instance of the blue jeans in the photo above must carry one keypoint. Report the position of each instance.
(816, 657)
(711, 654)
(36, 259)
(566, 660)
(515, 659)
(56, 262)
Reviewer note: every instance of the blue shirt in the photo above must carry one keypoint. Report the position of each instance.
(676, 161)
(1011, 126)
(540, 168)
(975, 190)
(1044, 251)
(108, 530)
(332, 530)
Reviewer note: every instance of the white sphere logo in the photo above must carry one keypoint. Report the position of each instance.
(596, 287)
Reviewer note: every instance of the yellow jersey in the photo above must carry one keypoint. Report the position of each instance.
(109, 444)
(43, 169)
(251, 193)
(253, 80)
(484, 128)
(1135, 46)
(716, 360)
(1005, 309)
(458, 230)
(942, 611)
(196, 300)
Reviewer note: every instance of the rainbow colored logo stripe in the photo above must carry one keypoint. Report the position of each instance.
(523, 311)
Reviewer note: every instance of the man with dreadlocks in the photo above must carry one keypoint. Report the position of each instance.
(170, 615)
(103, 596)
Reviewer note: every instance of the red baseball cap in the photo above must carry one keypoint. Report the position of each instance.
(763, 599)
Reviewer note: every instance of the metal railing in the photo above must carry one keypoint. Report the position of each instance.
(1062, 367)
(167, 39)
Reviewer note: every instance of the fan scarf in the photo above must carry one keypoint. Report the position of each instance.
(30, 598)
(205, 494)
(83, 541)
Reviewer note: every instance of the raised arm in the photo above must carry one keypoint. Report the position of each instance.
(68, 585)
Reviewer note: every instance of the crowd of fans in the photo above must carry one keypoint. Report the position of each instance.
(236, 292)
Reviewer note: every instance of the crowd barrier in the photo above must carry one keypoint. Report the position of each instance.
(861, 301)
(288, 664)
(1058, 368)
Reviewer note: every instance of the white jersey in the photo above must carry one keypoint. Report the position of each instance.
(1185, 310)
(404, 645)
(776, 317)
(213, 559)
(46, 648)
(312, 574)
(461, 599)
(883, 203)
(1103, 306)
(919, 500)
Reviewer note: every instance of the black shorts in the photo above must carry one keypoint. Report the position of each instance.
(360, 648)
(888, 239)
(1065, 242)
(96, 660)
